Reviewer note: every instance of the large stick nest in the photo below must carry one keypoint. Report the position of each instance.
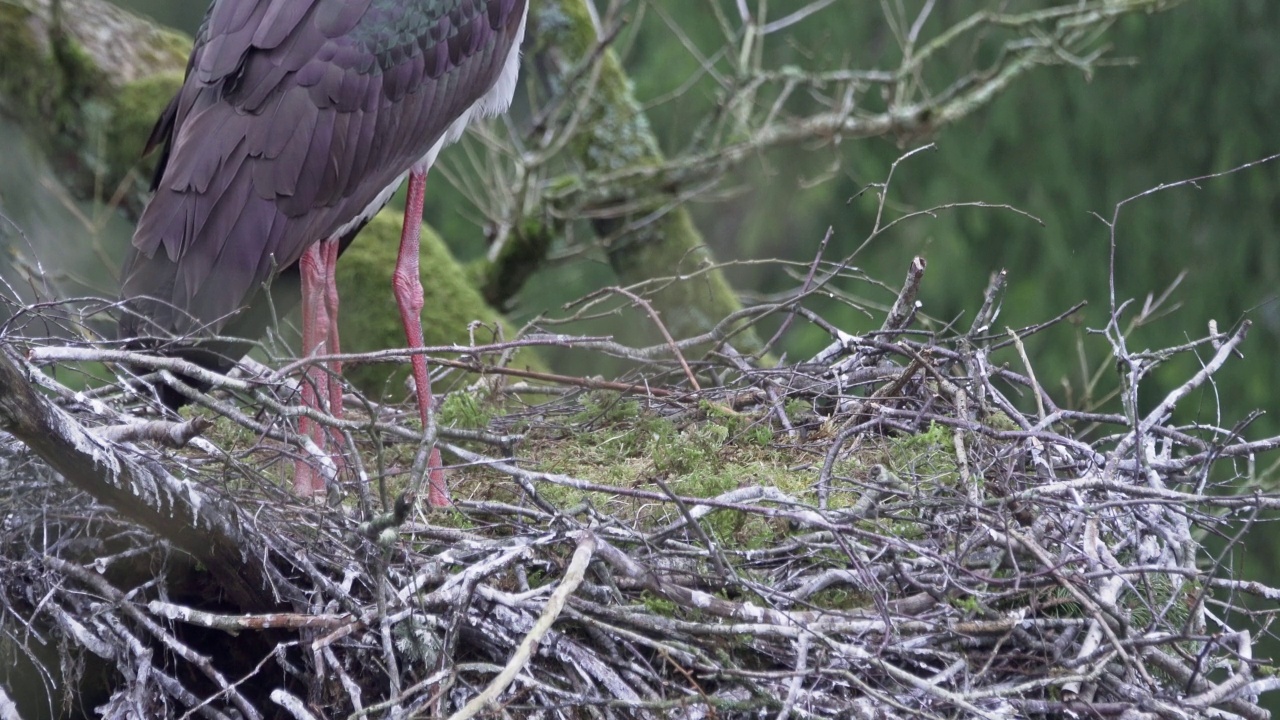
(880, 532)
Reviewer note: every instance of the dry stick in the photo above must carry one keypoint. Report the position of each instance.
(990, 307)
(138, 675)
(588, 383)
(923, 686)
(1166, 406)
(46, 355)
(327, 467)
(891, 391)
(1099, 615)
(172, 643)
(391, 665)
(604, 344)
(348, 683)
(770, 387)
(162, 432)
(292, 704)
(793, 692)
(904, 308)
(177, 510)
(1031, 373)
(555, 604)
(974, 492)
(804, 290)
(662, 328)
(234, 624)
(1032, 329)
(737, 496)
(723, 568)
(1172, 497)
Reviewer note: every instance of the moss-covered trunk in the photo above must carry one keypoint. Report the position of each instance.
(655, 237)
(87, 81)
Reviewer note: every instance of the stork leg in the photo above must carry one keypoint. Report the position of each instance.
(408, 291)
(329, 251)
(319, 337)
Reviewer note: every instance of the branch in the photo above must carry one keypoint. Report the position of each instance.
(555, 604)
(182, 512)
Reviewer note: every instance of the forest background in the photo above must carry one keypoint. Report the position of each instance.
(1199, 97)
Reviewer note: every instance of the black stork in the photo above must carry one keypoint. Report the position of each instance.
(296, 123)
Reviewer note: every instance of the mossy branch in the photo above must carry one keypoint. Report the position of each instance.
(175, 509)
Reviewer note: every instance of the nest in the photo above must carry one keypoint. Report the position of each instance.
(879, 532)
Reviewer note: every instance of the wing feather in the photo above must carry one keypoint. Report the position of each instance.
(279, 22)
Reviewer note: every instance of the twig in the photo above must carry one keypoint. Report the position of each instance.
(573, 577)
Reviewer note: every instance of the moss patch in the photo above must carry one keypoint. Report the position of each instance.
(616, 442)
(133, 113)
(369, 319)
(24, 84)
(74, 100)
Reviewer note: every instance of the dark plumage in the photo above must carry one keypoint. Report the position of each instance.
(295, 117)
(296, 122)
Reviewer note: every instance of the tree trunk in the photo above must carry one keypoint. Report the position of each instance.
(655, 237)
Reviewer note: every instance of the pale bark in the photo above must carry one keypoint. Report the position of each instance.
(184, 513)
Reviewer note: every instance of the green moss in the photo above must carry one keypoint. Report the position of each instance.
(843, 598)
(368, 317)
(927, 457)
(602, 406)
(968, 604)
(81, 80)
(659, 606)
(167, 48)
(30, 81)
(795, 407)
(464, 409)
(133, 112)
(758, 434)
(894, 527)
(75, 109)
(521, 256)
(224, 431)
(1000, 420)
(618, 443)
(722, 415)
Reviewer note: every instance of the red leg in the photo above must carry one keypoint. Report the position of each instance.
(315, 327)
(408, 290)
(329, 255)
